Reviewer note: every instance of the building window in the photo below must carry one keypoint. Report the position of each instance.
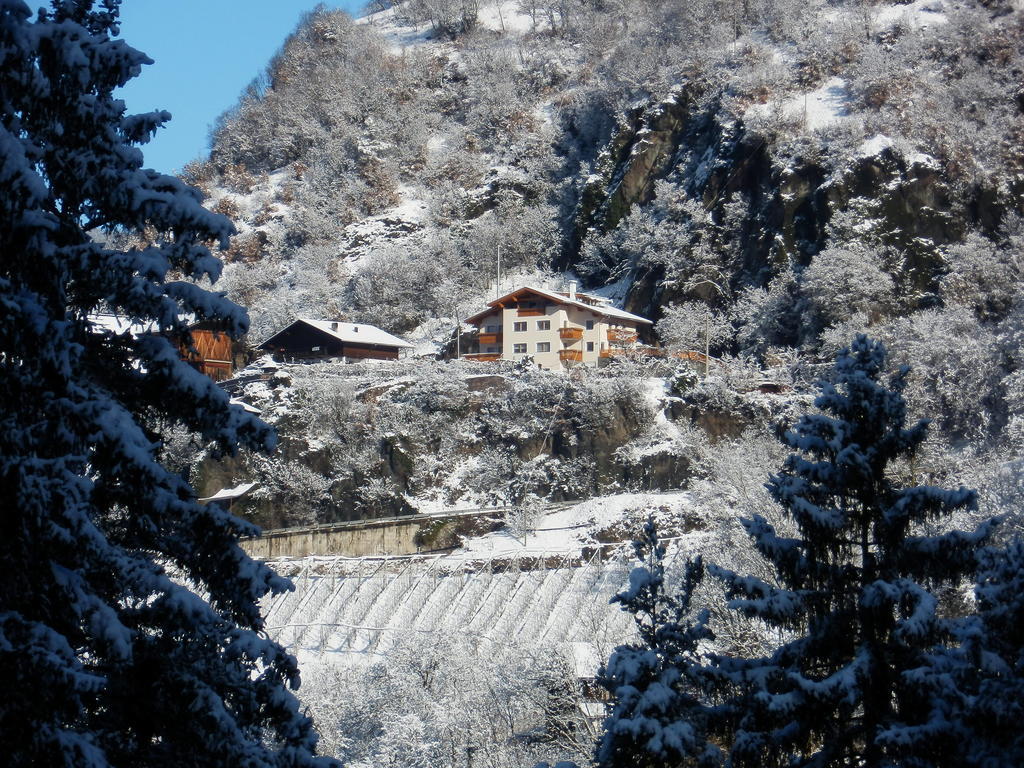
(543, 346)
(590, 325)
(493, 329)
(543, 325)
(518, 349)
(491, 350)
(519, 327)
(590, 346)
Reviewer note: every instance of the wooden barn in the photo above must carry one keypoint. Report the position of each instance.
(212, 352)
(307, 339)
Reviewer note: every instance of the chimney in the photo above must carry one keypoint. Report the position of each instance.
(334, 326)
(572, 290)
(355, 329)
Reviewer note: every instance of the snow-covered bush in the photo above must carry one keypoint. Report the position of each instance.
(843, 280)
(443, 701)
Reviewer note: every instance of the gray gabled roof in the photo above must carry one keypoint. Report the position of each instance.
(350, 333)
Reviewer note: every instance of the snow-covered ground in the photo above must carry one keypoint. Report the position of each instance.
(398, 32)
(917, 15)
(577, 528)
(825, 105)
(401, 35)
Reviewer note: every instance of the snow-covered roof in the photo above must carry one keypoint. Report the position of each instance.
(599, 308)
(228, 494)
(245, 406)
(117, 324)
(352, 333)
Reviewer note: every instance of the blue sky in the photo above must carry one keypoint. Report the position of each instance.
(205, 53)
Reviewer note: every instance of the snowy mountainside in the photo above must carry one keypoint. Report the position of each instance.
(537, 133)
(763, 179)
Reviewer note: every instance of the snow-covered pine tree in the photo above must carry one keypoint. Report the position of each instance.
(852, 588)
(129, 627)
(978, 686)
(658, 716)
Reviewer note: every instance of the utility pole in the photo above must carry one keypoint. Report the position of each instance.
(692, 283)
(707, 340)
(458, 332)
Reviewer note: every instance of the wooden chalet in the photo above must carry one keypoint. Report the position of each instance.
(310, 340)
(556, 329)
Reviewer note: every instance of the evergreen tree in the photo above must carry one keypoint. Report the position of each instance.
(978, 686)
(130, 631)
(997, 661)
(657, 716)
(852, 589)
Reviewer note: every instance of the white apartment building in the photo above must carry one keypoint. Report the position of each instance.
(556, 329)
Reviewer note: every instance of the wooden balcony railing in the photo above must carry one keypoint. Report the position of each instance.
(489, 338)
(570, 334)
(483, 357)
(622, 335)
(570, 356)
(528, 312)
(632, 352)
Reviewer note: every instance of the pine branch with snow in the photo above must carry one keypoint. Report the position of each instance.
(129, 621)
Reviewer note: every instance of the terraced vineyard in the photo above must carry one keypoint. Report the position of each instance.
(363, 605)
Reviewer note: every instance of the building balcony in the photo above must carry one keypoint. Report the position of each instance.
(570, 356)
(530, 312)
(489, 338)
(570, 334)
(483, 357)
(622, 335)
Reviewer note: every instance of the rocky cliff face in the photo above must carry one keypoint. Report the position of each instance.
(430, 435)
(783, 206)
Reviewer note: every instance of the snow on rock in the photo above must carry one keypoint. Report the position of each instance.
(874, 146)
(879, 143)
(368, 235)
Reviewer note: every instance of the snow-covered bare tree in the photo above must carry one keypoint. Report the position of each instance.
(130, 630)
(843, 280)
(693, 325)
(852, 585)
